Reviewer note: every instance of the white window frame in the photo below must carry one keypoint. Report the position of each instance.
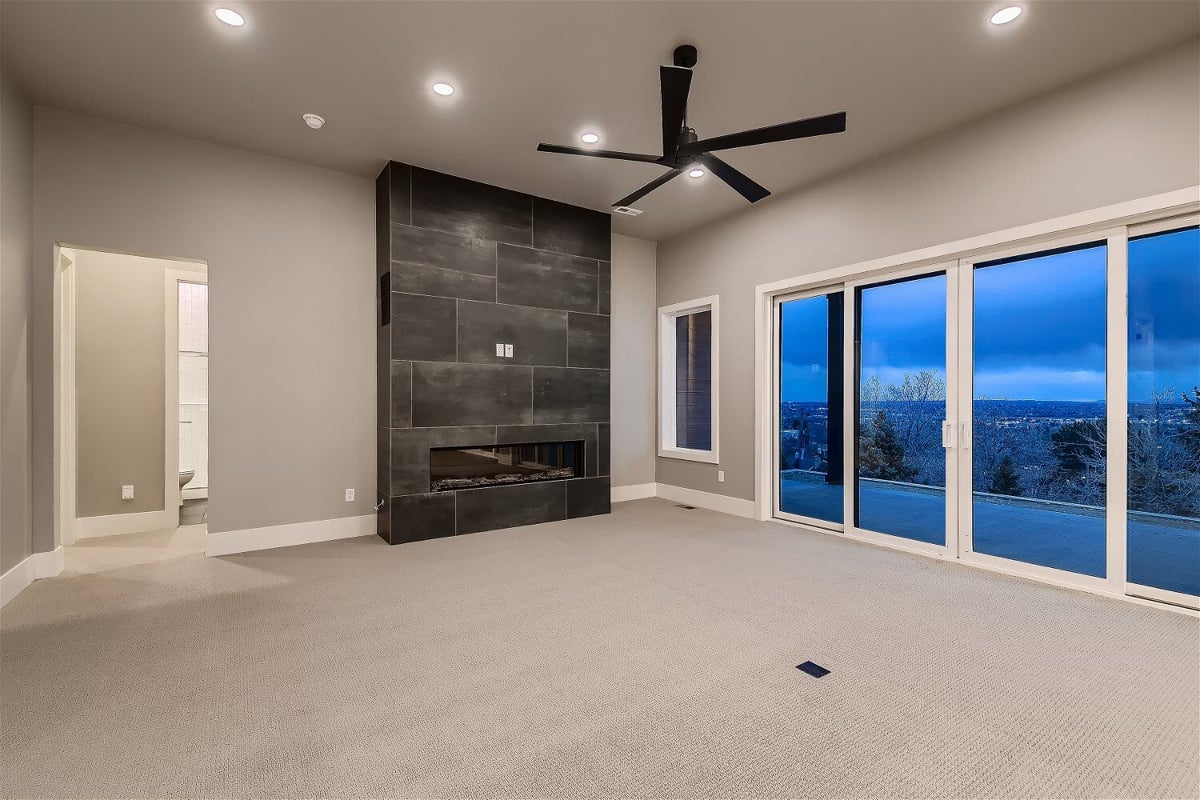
(777, 378)
(1114, 225)
(667, 315)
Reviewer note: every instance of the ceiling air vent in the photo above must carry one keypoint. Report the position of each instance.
(627, 211)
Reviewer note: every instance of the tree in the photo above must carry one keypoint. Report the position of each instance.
(1191, 422)
(1005, 479)
(920, 403)
(1079, 448)
(1076, 445)
(1164, 464)
(881, 453)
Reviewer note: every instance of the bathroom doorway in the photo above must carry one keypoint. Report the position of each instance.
(191, 296)
(131, 405)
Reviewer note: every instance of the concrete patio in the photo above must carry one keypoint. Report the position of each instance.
(1164, 551)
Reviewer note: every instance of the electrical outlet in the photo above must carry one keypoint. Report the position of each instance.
(349, 495)
(508, 351)
(127, 491)
(721, 475)
(499, 350)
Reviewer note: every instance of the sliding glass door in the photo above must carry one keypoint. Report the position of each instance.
(900, 463)
(1164, 413)
(1038, 409)
(810, 408)
(1034, 410)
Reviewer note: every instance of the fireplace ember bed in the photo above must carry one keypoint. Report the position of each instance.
(453, 468)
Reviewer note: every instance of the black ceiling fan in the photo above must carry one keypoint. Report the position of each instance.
(682, 148)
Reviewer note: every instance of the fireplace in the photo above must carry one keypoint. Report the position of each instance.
(470, 441)
(453, 468)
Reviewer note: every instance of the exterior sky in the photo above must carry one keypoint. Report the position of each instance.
(1039, 326)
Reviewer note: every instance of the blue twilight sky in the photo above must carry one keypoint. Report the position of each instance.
(1039, 326)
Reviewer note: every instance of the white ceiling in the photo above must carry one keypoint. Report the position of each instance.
(530, 72)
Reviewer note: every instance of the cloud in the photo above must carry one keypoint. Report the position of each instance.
(1039, 324)
(1040, 383)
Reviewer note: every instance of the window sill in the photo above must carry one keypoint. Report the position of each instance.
(683, 454)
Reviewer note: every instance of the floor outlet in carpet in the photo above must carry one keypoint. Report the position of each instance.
(816, 670)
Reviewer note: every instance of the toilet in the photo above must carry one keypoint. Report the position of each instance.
(185, 478)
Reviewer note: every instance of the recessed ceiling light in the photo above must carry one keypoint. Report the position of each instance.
(230, 17)
(444, 89)
(1005, 15)
(590, 138)
(314, 121)
(696, 173)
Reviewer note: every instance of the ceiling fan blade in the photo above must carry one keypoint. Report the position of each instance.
(741, 183)
(675, 83)
(583, 151)
(630, 199)
(800, 129)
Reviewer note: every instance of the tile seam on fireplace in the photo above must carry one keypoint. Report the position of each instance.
(496, 242)
(563, 253)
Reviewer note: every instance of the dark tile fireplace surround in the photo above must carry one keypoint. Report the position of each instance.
(462, 267)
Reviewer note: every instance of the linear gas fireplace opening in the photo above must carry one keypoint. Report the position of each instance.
(471, 467)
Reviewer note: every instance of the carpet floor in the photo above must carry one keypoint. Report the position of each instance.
(105, 553)
(649, 653)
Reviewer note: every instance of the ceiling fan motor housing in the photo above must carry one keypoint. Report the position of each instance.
(685, 55)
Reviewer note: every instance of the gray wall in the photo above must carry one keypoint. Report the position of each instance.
(633, 363)
(120, 381)
(1127, 134)
(16, 161)
(290, 251)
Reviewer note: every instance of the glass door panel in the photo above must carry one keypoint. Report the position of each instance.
(1164, 411)
(810, 407)
(1038, 410)
(900, 464)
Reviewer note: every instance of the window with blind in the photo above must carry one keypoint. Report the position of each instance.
(688, 418)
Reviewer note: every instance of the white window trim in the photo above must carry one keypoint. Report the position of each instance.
(666, 380)
(1115, 224)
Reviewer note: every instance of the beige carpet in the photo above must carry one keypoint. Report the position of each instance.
(650, 653)
(103, 553)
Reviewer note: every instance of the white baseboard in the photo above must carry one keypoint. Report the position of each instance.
(117, 524)
(16, 579)
(713, 502)
(633, 492)
(48, 565)
(33, 567)
(230, 542)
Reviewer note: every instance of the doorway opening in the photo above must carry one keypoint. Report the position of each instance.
(131, 406)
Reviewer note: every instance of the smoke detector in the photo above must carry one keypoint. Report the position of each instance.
(628, 211)
(314, 121)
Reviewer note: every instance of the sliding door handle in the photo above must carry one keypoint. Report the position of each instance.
(947, 434)
(965, 439)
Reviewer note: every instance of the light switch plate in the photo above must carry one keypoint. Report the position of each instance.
(721, 475)
(508, 351)
(499, 350)
(127, 491)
